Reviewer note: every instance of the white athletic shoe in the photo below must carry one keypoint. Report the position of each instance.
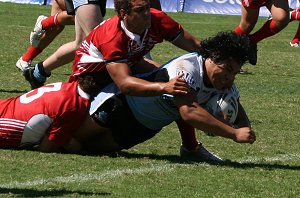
(22, 65)
(200, 153)
(295, 44)
(37, 32)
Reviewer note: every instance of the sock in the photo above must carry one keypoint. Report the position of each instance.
(31, 53)
(49, 22)
(267, 30)
(239, 31)
(39, 72)
(294, 15)
(188, 135)
(297, 35)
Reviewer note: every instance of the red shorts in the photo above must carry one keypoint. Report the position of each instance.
(254, 4)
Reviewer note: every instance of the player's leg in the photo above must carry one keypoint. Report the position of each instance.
(55, 22)
(61, 17)
(280, 19)
(248, 21)
(295, 41)
(95, 138)
(87, 17)
(294, 14)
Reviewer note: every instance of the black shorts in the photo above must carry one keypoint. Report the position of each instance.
(126, 130)
(71, 10)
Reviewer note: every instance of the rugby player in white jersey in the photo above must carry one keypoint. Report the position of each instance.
(121, 121)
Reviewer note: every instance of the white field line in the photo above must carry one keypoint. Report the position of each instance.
(84, 177)
(282, 157)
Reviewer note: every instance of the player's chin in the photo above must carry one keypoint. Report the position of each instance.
(219, 86)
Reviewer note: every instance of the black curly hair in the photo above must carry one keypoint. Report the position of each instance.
(226, 45)
(93, 82)
(122, 4)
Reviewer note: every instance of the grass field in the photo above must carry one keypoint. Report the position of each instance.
(268, 168)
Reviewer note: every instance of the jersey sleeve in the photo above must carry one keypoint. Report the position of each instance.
(189, 66)
(169, 28)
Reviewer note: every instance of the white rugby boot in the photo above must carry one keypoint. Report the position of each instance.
(201, 153)
(297, 44)
(37, 32)
(22, 65)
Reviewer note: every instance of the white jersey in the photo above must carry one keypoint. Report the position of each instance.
(156, 112)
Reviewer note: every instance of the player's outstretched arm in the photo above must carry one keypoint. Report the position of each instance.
(198, 117)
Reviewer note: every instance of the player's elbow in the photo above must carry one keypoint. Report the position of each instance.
(188, 116)
(125, 89)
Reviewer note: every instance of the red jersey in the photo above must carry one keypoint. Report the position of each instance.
(56, 110)
(112, 42)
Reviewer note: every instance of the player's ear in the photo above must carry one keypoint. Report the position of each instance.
(123, 13)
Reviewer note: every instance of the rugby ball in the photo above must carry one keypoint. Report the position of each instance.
(223, 106)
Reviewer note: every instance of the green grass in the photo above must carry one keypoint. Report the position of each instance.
(269, 168)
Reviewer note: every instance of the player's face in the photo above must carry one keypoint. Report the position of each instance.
(222, 75)
(139, 18)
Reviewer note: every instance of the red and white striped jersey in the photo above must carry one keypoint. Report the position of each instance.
(111, 42)
(56, 110)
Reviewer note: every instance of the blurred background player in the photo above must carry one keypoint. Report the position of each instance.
(88, 14)
(250, 13)
(45, 31)
(295, 15)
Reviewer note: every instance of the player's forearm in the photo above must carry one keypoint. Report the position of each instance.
(141, 87)
(242, 119)
(201, 119)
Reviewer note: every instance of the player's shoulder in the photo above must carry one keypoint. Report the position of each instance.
(60, 89)
(190, 61)
(157, 13)
(107, 31)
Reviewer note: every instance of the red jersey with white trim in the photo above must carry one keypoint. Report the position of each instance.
(62, 106)
(112, 42)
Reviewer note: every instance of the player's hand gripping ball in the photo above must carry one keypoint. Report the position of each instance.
(223, 106)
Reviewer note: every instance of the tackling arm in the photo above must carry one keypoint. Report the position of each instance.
(129, 85)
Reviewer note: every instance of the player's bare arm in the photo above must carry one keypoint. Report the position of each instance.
(198, 117)
(187, 42)
(242, 119)
(129, 85)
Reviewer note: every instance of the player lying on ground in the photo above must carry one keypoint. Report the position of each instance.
(48, 117)
(120, 122)
(56, 109)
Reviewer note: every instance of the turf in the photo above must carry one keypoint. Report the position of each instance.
(268, 168)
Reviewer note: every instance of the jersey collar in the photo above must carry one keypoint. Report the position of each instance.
(82, 93)
(131, 35)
